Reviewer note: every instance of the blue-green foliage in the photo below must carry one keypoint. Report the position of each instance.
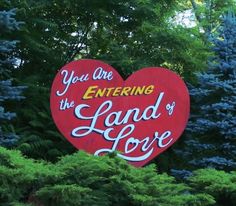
(212, 127)
(7, 62)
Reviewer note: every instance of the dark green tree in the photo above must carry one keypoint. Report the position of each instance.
(208, 13)
(128, 35)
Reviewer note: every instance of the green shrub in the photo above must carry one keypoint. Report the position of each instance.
(82, 179)
(219, 184)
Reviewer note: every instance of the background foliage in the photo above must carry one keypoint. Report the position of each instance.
(210, 137)
(7, 62)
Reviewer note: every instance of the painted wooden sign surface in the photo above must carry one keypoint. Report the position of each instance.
(99, 112)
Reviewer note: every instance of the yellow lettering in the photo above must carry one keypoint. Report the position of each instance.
(100, 92)
(149, 89)
(116, 91)
(94, 91)
(133, 90)
(125, 91)
(89, 91)
(109, 90)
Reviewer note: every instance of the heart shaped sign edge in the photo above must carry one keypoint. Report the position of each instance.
(140, 117)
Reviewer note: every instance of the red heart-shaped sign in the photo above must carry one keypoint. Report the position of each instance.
(97, 111)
